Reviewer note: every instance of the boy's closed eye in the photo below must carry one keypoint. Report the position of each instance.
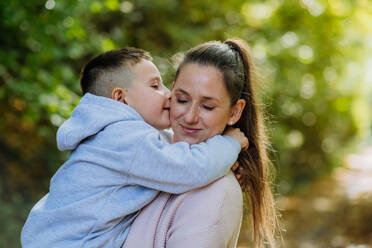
(155, 86)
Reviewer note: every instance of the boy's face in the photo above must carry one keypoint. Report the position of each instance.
(148, 95)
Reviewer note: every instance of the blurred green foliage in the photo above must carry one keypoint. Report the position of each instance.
(312, 55)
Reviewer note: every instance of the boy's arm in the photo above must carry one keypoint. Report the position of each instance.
(179, 167)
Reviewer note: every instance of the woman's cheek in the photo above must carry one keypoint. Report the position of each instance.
(216, 122)
(176, 110)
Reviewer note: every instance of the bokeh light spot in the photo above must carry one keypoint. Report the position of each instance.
(295, 138)
(289, 39)
(50, 4)
(308, 86)
(305, 54)
(126, 7)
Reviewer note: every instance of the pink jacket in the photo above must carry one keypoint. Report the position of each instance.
(209, 217)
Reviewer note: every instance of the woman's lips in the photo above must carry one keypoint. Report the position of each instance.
(188, 130)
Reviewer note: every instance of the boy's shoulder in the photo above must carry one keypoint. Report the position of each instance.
(95, 114)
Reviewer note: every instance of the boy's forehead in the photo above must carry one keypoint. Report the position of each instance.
(145, 69)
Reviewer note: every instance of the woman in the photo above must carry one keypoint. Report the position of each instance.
(213, 89)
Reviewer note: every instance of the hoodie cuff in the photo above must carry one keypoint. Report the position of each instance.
(235, 144)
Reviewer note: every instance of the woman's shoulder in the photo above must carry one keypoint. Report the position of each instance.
(217, 201)
(226, 188)
(225, 195)
(211, 213)
(227, 184)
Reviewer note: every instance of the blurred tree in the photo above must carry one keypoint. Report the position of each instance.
(311, 55)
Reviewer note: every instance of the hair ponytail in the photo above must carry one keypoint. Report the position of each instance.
(256, 178)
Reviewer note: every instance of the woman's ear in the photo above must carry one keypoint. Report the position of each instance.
(236, 111)
(118, 94)
(172, 85)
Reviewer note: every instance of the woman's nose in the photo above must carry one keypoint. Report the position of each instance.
(192, 115)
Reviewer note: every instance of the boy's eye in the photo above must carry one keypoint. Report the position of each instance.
(209, 108)
(155, 86)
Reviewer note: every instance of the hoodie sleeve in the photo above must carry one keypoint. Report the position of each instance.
(179, 167)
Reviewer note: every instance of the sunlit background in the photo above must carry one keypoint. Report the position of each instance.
(315, 61)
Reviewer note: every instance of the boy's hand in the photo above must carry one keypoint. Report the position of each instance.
(239, 136)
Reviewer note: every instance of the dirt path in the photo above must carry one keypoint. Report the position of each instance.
(335, 212)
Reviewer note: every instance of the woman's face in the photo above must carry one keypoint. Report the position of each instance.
(200, 104)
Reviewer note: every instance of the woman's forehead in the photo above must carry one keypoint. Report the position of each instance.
(200, 75)
(204, 81)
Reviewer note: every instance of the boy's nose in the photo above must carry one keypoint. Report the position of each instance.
(167, 93)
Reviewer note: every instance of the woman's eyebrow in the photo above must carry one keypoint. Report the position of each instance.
(205, 98)
(208, 98)
(182, 91)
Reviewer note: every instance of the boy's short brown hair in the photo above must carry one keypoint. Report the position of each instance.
(111, 69)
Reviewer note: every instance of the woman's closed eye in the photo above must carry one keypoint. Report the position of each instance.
(180, 100)
(209, 108)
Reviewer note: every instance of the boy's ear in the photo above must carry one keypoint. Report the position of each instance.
(172, 85)
(118, 94)
(236, 111)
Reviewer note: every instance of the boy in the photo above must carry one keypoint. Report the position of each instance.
(119, 162)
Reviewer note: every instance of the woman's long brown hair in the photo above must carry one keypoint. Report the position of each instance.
(233, 59)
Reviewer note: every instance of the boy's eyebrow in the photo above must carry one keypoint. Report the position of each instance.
(156, 78)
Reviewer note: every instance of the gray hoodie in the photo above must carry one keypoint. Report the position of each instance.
(118, 164)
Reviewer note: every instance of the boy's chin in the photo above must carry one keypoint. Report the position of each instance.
(167, 126)
(163, 126)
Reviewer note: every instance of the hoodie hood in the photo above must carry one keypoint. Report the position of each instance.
(91, 115)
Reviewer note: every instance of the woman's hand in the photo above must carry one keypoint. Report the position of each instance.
(239, 136)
